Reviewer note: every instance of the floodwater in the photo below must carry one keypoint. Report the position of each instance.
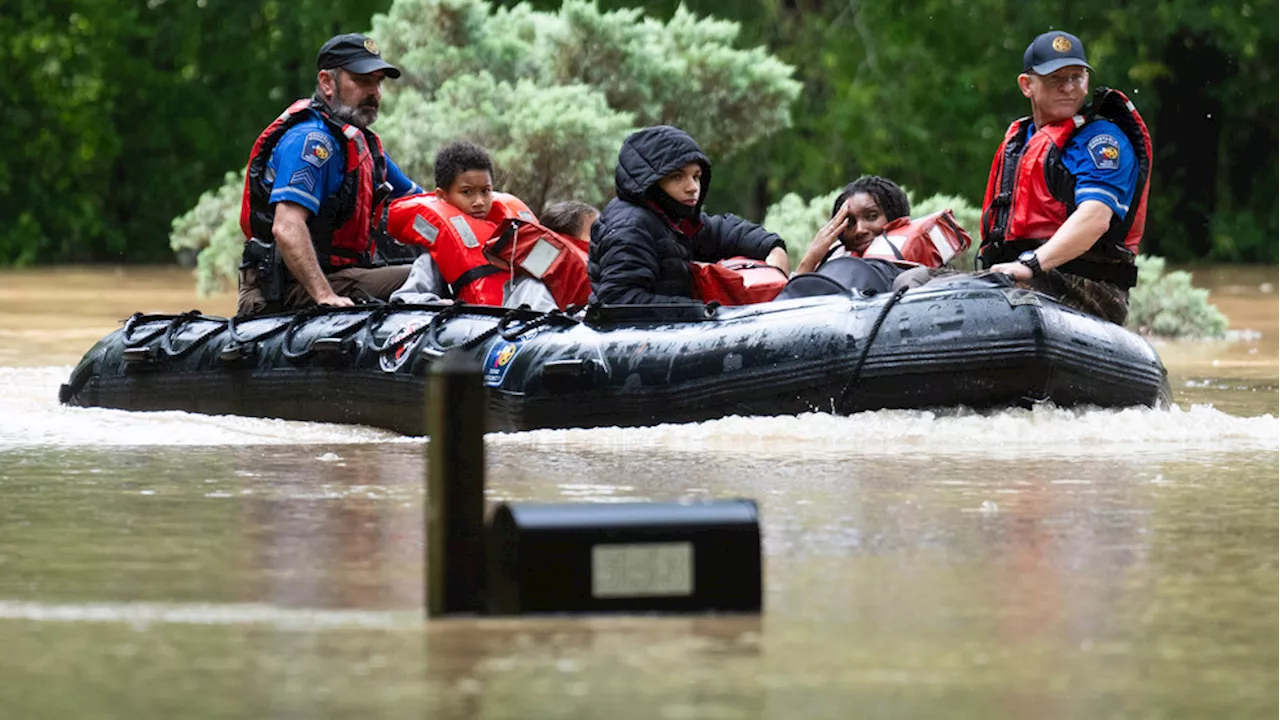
(1045, 563)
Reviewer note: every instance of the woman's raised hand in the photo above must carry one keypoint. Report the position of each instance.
(827, 237)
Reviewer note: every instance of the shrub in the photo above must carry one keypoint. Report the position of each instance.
(212, 228)
(1166, 304)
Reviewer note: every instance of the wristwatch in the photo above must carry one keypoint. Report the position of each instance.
(1032, 262)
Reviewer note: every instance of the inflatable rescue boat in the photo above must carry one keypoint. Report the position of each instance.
(977, 342)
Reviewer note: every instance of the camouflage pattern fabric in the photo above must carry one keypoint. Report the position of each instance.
(1100, 299)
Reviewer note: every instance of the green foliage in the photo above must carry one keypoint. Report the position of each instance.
(547, 143)
(1166, 304)
(214, 223)
(119, 113)
(798, 221)
(551, 94)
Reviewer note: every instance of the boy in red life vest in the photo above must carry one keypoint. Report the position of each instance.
(464, 180)
(871, 240)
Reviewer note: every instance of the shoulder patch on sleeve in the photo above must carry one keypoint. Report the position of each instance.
(1104, 150)
(317, 148)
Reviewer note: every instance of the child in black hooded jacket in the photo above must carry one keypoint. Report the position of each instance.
(646, 237)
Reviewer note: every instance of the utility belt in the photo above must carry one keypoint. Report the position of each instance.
(1117, 268)
(273, 276)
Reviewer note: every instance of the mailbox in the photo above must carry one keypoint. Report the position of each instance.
(625, 557)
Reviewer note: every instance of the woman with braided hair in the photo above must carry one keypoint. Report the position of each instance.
(859, 215)
(871, 239)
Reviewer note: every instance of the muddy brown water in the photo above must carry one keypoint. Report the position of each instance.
(1046, 563)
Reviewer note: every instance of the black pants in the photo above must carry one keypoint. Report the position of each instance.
(868, 277)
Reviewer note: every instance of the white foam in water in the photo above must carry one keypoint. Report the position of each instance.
(31, 415)
(1042, 431)
(142, 614)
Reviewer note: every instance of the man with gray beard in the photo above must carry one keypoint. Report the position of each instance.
(316, 183)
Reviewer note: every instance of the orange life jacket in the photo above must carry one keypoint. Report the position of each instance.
(455, 241)
(1030, 194)
(475, 256)
(559, 261)
(736, 281)
(340, 231)
(930, 241)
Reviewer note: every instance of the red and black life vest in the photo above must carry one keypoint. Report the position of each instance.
(930, 241)
(340, 231)
(477, 256)
(1030, 193)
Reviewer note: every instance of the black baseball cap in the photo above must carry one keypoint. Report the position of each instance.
(355, 53)
(1053, 50)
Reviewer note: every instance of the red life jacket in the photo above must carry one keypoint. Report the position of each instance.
(930, 241)
(456, 243)
(736, 281)
(475, 256)
(559, 261)
(1030, 193)
(340, 231)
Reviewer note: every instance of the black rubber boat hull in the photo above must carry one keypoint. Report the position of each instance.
(975, 343)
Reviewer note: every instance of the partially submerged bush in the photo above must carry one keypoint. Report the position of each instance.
(212, 228)
(1167, 305)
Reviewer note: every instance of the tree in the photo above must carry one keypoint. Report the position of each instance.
(119, 113)
(553, 94)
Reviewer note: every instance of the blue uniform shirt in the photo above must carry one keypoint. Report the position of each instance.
(1101, 159)
(306, 167)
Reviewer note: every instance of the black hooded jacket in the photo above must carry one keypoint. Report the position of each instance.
(637, 256)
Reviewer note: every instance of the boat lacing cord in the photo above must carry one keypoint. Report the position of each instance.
(176, 324)
(233, 331)
(375, 323)
(286, 347)
(132, 324)
(502, 327)
(856, 375)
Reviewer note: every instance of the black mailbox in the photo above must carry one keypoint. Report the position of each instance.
(625, 557)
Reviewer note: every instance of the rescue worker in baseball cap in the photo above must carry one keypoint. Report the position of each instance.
(1065, 206)
(308, 215)
(355, 53)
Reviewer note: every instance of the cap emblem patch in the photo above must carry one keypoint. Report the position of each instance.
(1060, 43)
(373, 49)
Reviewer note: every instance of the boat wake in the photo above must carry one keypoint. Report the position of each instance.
(30, 415)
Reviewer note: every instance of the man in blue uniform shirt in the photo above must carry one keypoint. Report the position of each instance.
(302, 198)
(1063, 210)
